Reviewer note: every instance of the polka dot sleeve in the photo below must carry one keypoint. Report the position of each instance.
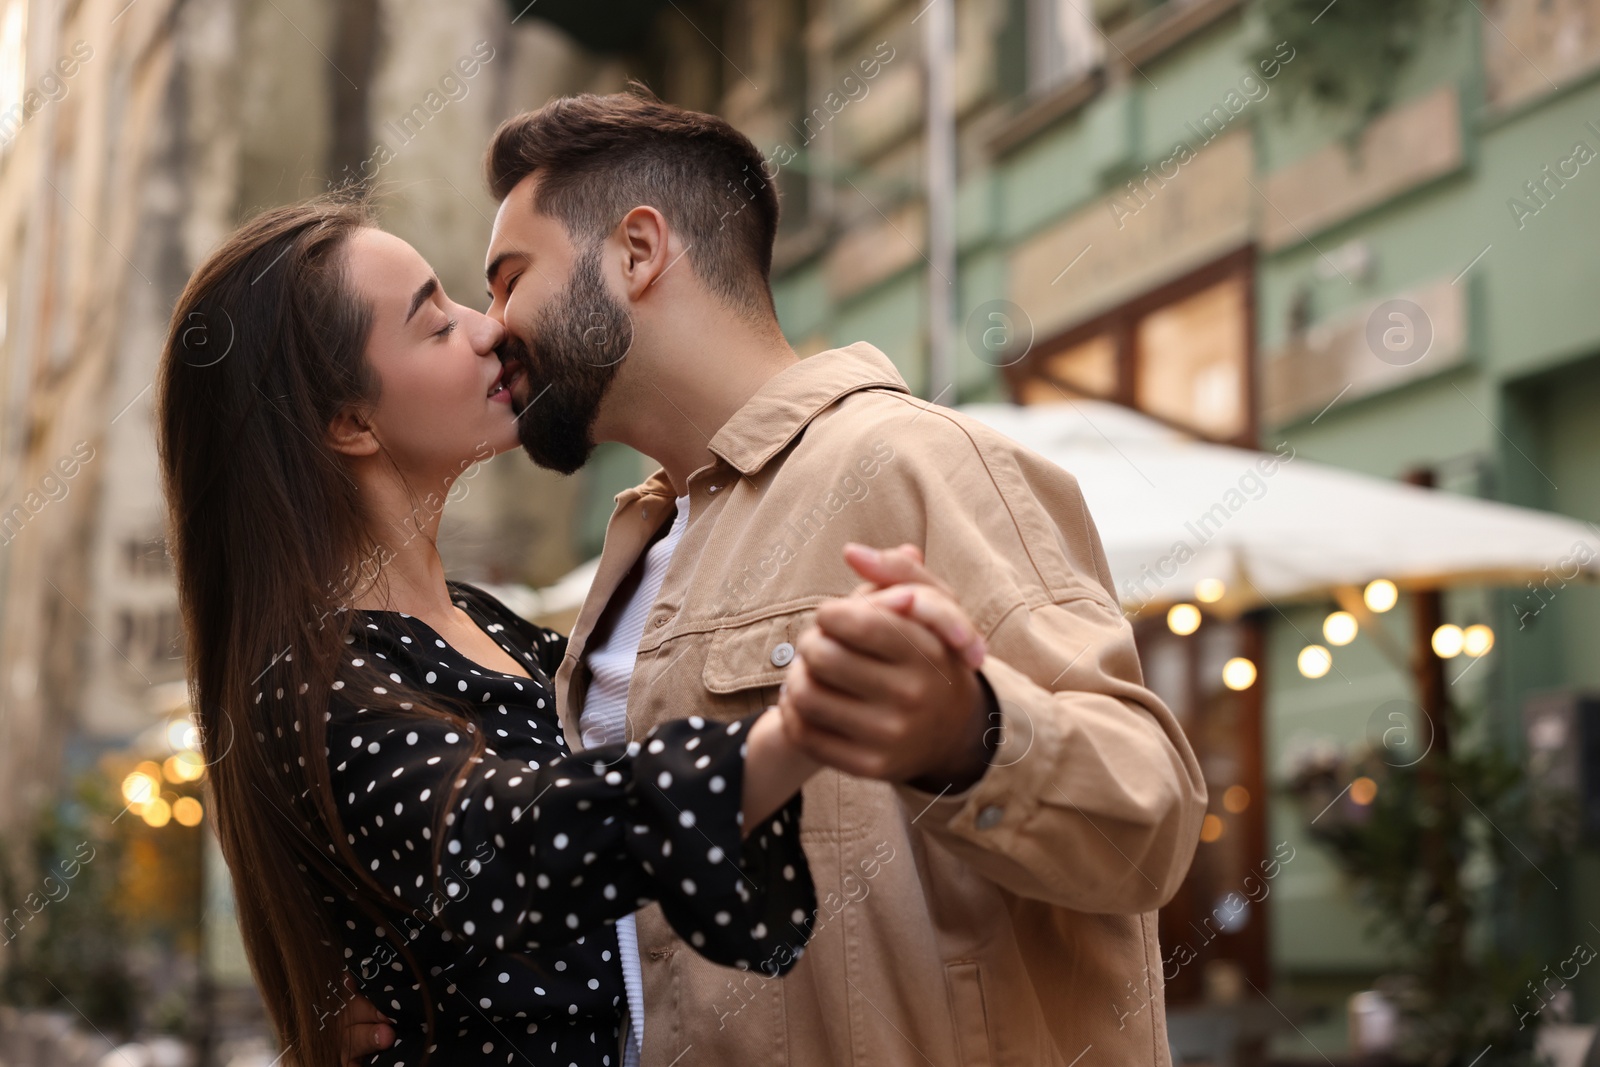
(536, 851)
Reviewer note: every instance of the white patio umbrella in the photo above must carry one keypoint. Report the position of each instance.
(1271, 527)
(1173, 511)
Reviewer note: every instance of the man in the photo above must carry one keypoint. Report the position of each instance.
(990, 897)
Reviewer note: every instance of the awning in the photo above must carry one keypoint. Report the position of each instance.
(1272, 526)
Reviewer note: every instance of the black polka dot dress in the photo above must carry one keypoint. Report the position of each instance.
(542, 850)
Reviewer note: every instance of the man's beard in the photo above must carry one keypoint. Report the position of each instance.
(580, 337)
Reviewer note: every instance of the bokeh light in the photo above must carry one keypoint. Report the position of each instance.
(1340, 628)
(1448, 641)
(1183, 619)
(139, 788)
(1363, 790)
(157, 813)
(1238, 673)
(1209, 590)
(1236, 799)
(1380, 595)
(185, 766)
(181, 735)
(187, 811)
(1477, 640)
(1211, 829)
(1314, 661)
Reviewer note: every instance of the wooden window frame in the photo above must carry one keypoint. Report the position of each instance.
(1121, 323)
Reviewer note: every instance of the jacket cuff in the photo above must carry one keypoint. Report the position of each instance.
(994, 809)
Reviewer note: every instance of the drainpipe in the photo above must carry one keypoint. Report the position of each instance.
(939, 54)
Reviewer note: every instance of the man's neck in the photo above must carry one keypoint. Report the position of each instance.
(672, 407)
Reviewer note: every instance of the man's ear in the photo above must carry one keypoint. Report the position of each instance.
(349, 433)
(646, 244)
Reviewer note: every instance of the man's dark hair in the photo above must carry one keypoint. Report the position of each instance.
(599, 157)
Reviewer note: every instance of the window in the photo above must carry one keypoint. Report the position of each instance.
(1182, 353)
(1063, 42)
(1191, 360)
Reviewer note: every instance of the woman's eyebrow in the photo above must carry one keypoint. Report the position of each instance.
(424, 291)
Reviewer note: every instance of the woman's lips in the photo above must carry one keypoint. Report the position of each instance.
(500, 391)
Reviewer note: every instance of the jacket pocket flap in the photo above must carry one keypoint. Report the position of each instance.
(754, 655)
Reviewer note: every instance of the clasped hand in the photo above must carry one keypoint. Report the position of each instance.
(884, 684)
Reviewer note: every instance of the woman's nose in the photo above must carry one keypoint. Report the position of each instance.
(486, 333)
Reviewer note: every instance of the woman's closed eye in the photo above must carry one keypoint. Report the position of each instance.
(447, 329)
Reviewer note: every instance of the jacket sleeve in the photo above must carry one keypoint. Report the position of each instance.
(1093, 798)
(535, 853)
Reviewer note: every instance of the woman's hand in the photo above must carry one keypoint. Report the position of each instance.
(363, 1029)
(774, 769)
(885, 684)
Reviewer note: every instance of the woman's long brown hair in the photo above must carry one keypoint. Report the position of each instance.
(270, 541)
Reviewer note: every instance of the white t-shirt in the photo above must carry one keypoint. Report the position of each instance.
(604, 719)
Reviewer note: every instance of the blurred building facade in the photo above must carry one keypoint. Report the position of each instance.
(1138, 218)
(133, 137)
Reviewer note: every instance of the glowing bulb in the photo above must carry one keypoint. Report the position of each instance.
(138, 788)
(1183, 619)
(1477, 640)
(1363, 790)
(1339, 628)
(185, 766)
(157, 813)
(1381, 595)
(1238, 673)
(181, 734)
(187, 811)
(1314, 661)
(1209, 590)
(1210, 829)
(1236, 799)
(1447, 641)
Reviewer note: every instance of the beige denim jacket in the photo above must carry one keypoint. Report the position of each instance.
(1011, 924)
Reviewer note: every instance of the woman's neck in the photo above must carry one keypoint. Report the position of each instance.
(409, 575)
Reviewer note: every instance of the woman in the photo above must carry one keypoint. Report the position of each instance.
(393, 790)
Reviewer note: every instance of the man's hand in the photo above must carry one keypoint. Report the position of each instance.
(885, 682)
(363, 1029)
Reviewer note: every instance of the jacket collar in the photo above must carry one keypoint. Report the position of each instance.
(786, 404)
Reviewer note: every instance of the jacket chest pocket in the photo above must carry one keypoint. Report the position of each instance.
(748, 663)
(756, 655)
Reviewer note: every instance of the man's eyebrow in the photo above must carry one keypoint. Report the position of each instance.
(424, 291)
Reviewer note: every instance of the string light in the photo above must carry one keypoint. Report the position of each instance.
(1340, 628)
(1183, 619)
(1238, 673)
(139, 788)
(157, 813)
(181, 735)
(1477, 640)
(1380, 595)
(1314, 661)
(1448, 641)
(1209, 590)
(185, 766)
(187, 811)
